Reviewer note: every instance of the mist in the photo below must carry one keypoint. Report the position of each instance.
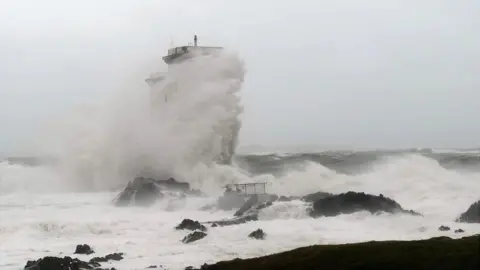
(341, 74)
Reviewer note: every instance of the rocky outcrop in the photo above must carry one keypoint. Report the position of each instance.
(316, 196)
(258, 234)
(65, 263)
(56, 263)
(443, 228)
(144, 191)
(350, 202)
(139, 192)
(188, 224)
(472, 215)
(459, 231)
(83, 249)
(194, 236)
(69, 263)
(172, 184)
(109, 257)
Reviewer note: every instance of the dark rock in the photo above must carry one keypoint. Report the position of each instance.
(258, 234)
(152, 266)
(83, 249)
(472, 215)
(459, 231)
(194, 236)
(172, 184)
(443, 228)
(188, 224)
(316, 196)
(350, 202)
(139, 192)
(57, 263)
(113, 257)
(144, 191)
(214, 225)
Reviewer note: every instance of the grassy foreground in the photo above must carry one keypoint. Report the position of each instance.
(435, 253)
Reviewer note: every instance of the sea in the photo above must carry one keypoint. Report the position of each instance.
(52, 203)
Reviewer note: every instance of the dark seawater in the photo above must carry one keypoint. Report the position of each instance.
(354, 162)
(345, 162)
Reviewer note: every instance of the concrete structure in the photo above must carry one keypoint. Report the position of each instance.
(247, 188)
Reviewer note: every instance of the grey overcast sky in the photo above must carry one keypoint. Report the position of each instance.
(397, 73)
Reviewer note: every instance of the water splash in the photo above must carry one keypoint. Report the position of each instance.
(138, 132)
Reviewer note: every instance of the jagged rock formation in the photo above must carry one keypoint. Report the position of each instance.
(472, 215)
(316, 196)
(68, 263)
(443, 228)
(83, 249)
(194, 236)
(350, 202)
(257, 234)
(188, 224)
(143, 191)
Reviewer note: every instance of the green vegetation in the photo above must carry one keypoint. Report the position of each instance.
(435, 253)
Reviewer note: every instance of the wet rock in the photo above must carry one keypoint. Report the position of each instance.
(194, 236)
(459, 231)
(258, 234)
(316, 196)
(350, 202)
(443, 228)
(139, 192)
(109, 257)
(188, 224)
(472, 215)
(144, 191)
(57, 263)
(172, 184)
(83, 249)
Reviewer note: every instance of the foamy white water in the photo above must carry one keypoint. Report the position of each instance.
(33, 225)
(48, 210)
